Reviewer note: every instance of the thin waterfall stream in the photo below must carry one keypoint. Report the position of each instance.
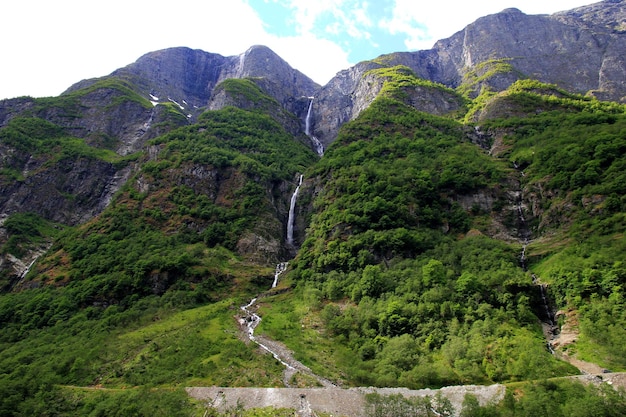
(319, 147)
(251, 319)
(292, 210)
(550, 329)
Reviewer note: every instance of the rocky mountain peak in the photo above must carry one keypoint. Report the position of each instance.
(581, 51)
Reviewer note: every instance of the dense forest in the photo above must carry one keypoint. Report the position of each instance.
(430, 244)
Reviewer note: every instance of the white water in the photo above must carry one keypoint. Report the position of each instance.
(252, 319)
(290, 219)
(27, 270)
(525, 235)
(280, 268)
(319, 147)
(242, 59)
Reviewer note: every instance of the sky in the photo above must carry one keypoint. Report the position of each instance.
(48, 45)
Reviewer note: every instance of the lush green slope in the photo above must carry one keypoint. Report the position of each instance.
(410, 295)
(146, 293)
(410, 273)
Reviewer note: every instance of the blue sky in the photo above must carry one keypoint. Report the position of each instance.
(355, 26)
(49, 45)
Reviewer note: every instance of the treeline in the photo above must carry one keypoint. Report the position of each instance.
(544, 398)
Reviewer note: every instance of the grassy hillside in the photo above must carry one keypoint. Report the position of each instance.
(145, 295)
(402, 287)
(411, 272)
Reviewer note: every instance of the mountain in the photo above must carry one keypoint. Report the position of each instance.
(463, 224)
(578, 53)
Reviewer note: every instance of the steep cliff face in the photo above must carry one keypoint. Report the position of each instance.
(70, 191)
(180, 75)
(188, 77)
(281, 81)
(581, 50)
(574, 50)
(342, 99)
(570, 49)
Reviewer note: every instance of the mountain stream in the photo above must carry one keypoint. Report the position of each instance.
(319, 147)
(544, 312)
(554, 335)
(251, 319)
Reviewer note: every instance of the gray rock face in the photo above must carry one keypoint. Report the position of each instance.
(182, 76)
(70, 192)
(188, 77)
(342, 100)
(582, 51)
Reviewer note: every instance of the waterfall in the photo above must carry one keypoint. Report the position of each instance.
(27, 270)
(292, 216)
(524, 234)
(280, 268)
(319, 147)
(252, 319)
(242, 59)
(307, 121)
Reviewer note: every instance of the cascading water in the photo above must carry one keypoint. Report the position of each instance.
(242, 59)
(546, 316)
(252, 320)
(319, 147)
(280, 268)
(291, 217)
(27, 270)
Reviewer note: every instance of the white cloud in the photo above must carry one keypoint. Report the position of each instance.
(57, 43)
(350, 16)
(49, 45)
(317, 58)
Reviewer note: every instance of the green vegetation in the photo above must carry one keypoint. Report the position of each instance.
(552, 398)
(483, 72)
(408, 297)
(137, 299)
(542, 398)
(44, 139)
(387, 181)
(573, 154)
(124, 89)
(398, 282)
(68, 401)
(248, 90)
(400, 80)
(25, 231)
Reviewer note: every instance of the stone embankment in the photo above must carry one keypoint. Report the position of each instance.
(337, 402)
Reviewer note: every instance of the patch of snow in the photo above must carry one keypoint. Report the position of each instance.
(153, 97)
(175, 102)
